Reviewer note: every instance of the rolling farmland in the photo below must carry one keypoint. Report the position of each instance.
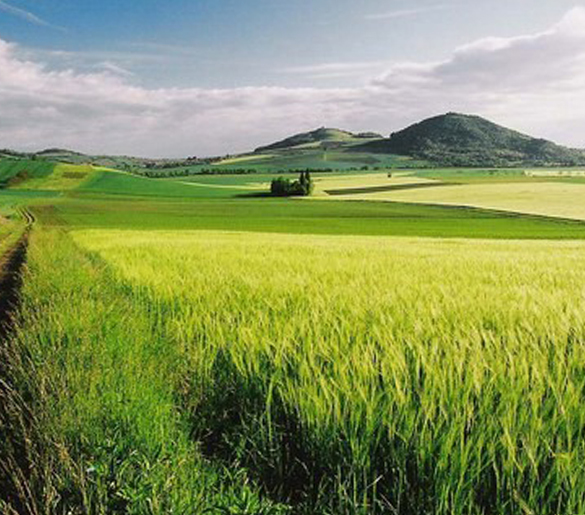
(256, 260)
(196, 348)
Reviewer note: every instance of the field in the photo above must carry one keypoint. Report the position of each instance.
(558, 199)
(188, 346)
(293, 160)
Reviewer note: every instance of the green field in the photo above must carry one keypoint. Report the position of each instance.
(15, 171)
(334, 160)
(190, 346)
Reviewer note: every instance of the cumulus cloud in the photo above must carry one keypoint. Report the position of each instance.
(535, 83)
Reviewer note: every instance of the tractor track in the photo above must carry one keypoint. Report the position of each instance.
(14, 462)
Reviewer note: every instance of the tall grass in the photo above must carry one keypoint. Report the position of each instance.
(361, 375)
(89, 407)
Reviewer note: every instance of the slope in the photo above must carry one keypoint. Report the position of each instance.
(318, 137)
(462, 140)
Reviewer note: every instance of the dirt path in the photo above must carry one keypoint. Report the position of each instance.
(14, 464)
(10, 283)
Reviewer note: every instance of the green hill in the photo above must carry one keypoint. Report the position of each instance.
(318, 137)
(461, 140)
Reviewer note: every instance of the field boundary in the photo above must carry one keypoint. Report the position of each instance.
(382, 189)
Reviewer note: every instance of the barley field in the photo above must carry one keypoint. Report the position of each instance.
(371, 375)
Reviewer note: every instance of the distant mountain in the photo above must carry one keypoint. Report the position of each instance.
(319, 136)
(461, 140)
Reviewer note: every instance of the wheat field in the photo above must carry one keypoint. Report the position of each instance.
(364, 374)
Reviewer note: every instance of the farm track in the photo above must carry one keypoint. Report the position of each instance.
(11, 265)
(382, 189)
(10, 276)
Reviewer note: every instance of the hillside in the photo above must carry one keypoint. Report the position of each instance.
(452, 140)
(318, 136)
(461, 140)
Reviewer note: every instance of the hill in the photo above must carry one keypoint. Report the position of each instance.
(317, 137)
(449, 140)
(462, 140)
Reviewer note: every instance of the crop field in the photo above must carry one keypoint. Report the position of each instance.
(192, 347)
(299, 217)
(194, 371)
(560, 199)
(14, 171)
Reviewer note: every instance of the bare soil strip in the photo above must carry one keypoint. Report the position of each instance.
(380, 189)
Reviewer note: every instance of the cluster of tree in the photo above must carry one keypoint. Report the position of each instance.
(188, 172)
(167, 164)
(12, 153)
(479, 158)
(284, 187)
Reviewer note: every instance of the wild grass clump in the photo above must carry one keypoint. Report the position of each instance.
(373, 375)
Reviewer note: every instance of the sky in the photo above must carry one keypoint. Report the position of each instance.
(173, 78)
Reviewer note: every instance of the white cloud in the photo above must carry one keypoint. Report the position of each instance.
(535, 83)
(405, 13)
(24, 15)
(337, 70)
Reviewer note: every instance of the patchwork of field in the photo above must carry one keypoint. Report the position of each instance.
(557, 199)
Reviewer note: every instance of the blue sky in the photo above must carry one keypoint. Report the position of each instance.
(226, 43)
(230, 74)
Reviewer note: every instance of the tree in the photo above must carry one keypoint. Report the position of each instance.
(282, 187)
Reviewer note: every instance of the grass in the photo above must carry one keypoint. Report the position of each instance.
(372, 375)
(543, 198)
(100, 431)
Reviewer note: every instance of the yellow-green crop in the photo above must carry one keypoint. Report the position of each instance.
(376, 375)
(561, 199)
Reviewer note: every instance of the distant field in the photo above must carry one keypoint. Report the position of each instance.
(486, 175)
(119, 183)
(350, 181)
(299, 217)
(298, 159)
(16, 171)
(63, 177)
(542, 198)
